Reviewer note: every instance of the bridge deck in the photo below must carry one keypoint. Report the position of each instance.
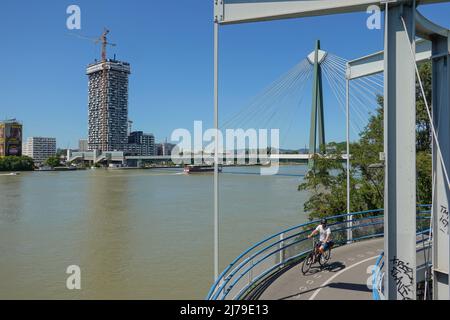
(345, 277)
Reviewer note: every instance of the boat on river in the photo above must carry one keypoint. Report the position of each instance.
(191, 168)
(10, 174)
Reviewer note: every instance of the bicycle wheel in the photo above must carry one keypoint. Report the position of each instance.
(327, 254)
(307, 263)
(323, 259)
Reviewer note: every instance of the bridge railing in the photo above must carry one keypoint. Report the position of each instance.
(269, 256)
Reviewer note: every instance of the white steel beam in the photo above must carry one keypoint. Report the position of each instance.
(441, 195)
(400, 153)
(241, 11)
(374, 63)
(216, 151)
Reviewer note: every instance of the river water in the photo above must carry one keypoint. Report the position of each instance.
(135, 234)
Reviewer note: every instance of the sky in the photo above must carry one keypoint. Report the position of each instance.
(169, 45)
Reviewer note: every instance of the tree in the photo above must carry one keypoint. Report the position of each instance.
(53, 162)
(424, 137)
(14, 163)
(327, 181)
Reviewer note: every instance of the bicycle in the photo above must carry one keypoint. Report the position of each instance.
(315, 256)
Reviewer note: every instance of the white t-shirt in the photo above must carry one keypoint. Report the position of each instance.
(323, 232)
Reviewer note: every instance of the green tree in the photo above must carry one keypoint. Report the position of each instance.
(327, 181)
(53, 162)
(14, 163)
(423, 133)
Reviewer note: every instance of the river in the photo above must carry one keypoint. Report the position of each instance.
(135, 234)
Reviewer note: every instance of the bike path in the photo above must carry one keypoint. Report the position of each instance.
(344, 278)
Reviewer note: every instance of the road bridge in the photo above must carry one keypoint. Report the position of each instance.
(118, 156)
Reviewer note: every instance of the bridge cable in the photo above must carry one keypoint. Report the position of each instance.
(270, 95)
(339, 85)
(352, 94)
(337, 91)
(341, 79)
(339, 98)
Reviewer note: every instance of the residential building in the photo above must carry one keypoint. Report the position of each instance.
(40, 148)
(10, 138)
(140, 144)
(164, 149)
(83, 145)
(108, 105)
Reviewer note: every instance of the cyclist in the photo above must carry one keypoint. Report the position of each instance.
(325, 235)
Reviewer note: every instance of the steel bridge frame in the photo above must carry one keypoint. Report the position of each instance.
(402, 24)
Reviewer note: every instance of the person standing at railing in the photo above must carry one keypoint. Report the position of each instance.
(325, 236)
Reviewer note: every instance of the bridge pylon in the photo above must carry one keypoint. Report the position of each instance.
(317, 116)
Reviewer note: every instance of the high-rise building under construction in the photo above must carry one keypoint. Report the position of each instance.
(108, 105)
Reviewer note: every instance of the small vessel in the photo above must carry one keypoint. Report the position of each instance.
(191, 168)
(65, 169)
(10, 174)
(45, 168)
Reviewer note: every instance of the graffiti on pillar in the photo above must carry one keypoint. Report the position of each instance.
(443, 220)
(403, 276)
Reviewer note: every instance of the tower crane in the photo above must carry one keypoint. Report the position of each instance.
(104, 41)
(101, 39)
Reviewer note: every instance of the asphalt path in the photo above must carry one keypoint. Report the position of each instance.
(347, 276)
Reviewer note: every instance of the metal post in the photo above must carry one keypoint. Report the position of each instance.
(281, 245)
(441, 195)
(216, 149)
(250, 273)
(400, 151)
(347, 124)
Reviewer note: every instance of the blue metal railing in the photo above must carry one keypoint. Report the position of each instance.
(377, 279)
(275, 252)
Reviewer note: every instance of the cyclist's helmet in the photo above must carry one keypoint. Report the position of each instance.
(323, 222)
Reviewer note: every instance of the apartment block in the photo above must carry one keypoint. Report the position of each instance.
(108, 105)
(140, 144)
(10, 138)
(40, 148)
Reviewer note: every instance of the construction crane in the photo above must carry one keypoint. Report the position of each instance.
(102, 39)
(104, 94)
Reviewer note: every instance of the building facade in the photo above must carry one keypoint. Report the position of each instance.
(164, 149)
(10, 138)
(140, 144)
(83, 145)
(40, 148)
(108, 105)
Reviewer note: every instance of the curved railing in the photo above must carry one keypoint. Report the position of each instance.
(378, 279)
(272, 254)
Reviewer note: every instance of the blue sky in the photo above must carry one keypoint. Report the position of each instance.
(169, 46)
